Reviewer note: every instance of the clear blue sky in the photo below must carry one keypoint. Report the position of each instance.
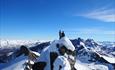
(42, 19)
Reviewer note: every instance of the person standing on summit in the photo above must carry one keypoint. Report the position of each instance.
(50, 53)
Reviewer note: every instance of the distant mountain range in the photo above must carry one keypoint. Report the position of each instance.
(89, 54)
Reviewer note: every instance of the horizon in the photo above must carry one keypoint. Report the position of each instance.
(51, 40)
(42, 19)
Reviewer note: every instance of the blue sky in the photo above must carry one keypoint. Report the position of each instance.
(42, 19)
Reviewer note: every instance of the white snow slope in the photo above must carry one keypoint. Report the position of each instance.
(17, 64)
(89, 66)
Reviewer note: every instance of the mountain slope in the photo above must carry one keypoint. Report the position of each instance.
(90, 55)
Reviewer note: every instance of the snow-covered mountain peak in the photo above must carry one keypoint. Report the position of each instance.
(91, 55)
